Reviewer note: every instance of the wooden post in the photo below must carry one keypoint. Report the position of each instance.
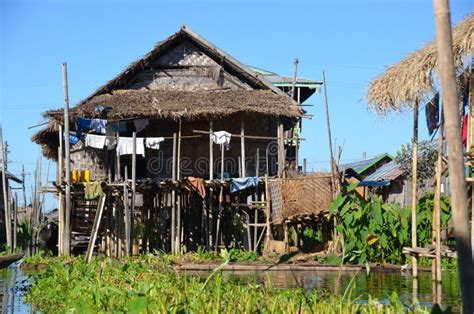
(178, 205)
(328, 125)
(221, 192)
(267, 211)
(126, 212)
(242, 144)
(211, 189)
(281, 149)
(15, 221)
(437, 205)
(414, 179)
(304, 166)
(59, 182)
(447, 75)
(67, 213)
(173, 196)
(6, 203)
(95, 228)
(132, 203)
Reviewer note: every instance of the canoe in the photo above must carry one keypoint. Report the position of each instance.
(6, 260)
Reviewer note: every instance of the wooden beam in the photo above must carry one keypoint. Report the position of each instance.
(173, 197)
(242, 144)
(67, 161)
(126, 212)
(132, 202)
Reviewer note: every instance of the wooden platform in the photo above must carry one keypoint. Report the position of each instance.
(429, 252)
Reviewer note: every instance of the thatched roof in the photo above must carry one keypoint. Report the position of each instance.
(176, 105)
(413, 79)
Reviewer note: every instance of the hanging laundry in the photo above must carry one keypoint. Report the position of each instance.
(432, 114)
(153, 142)
(110, 138)
(73, 137)
(125, 146)
(222, 137)
(92, 190)
(464, 129)
(95, 141)
(100, 108)
(140, 124)
(99, 125)
(83, 124)
(239, 184)
(118, 126)
(195, 184)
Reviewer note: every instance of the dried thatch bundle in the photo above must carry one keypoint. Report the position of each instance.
(412, 79)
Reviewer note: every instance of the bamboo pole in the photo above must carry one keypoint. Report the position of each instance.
(173, 196)
(67, 213)
(437, 206)
(132, 203)
(447, 75)
(281, 149)
(211, 190)
(267, 212)
(6, 203)
(178, 205)
(126, 212)
(60, 194)
(242, 145)
(15, 222)
(414, 178)
(221, 192)
(328, 125)
(95, 228)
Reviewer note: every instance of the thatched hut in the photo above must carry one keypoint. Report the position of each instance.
(184, 91)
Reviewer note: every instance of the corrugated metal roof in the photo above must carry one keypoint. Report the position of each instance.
(363, 165)
(287, 81)
(389, 171)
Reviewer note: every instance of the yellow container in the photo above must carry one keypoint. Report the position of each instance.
(75, 176)
(85, 176)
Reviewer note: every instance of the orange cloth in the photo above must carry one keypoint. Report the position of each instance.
(195, 184)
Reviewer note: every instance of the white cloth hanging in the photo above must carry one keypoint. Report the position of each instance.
(222, 137)
(153, 142)
(95, 141)
(125, 146)
(110, 138)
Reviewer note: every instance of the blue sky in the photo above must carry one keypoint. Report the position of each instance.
(351, 40)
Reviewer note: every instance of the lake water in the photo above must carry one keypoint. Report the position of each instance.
(380, 285)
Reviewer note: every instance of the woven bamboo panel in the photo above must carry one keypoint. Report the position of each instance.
(301, 196)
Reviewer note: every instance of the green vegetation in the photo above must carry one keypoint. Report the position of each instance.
(376, 232)
(147, 284)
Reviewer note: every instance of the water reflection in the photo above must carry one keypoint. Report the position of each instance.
(379, 285)
(13, 285)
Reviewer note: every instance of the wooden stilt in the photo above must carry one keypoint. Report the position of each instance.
(178, 205)
(267, 212)
(173, 196)
(221, 196)
(242, 146)
(211, 189)
(59, 182)
(127, 213)
(414, 198)
(95, 228)
(132, 202)
(15, 222)
(437, 204)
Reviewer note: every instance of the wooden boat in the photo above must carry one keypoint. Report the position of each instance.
(7, 260)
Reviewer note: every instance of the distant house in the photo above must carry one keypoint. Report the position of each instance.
(363, 168)
(11, 177)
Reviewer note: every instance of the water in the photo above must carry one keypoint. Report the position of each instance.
(380, 285)
(13, 284)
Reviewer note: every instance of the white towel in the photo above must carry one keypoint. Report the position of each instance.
(125, 146)
(95, 141)
(153, 142)
(221, 137)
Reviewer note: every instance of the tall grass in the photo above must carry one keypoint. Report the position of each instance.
(149, 285)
